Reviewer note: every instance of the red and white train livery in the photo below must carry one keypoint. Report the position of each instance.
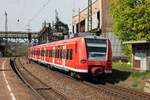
(82, 55)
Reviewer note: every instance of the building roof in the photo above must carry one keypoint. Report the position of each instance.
(136, 42)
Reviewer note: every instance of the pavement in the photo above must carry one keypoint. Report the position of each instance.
(11, 87)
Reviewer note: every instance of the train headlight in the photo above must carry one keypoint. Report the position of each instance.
(83, 61)
(109, 62)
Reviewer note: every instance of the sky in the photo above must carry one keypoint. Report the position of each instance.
(22, 13)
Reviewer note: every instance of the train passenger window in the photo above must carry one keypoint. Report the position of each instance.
(42, 52)
(53, 53)
(38, 52)
(61, 53)
(71, 51)
(58, 53)
(49, 53)
(46, 53)
(64, 54)
(67, 54)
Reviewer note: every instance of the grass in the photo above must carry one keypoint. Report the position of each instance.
(136, 78)
(121, 66)
(127, 67)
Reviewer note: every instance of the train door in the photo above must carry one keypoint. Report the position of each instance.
(53, 55)
(64, 56)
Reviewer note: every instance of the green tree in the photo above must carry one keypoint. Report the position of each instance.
(131, 20)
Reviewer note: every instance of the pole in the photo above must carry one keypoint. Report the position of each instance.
(6, 30)
(79, 21)
(89, 26)
(6, 22)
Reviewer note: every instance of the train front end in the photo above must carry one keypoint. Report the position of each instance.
(99, 55)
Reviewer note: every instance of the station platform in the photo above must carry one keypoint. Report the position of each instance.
(11, 87)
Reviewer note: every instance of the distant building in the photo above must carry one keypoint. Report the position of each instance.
(45, 35)
(101, 24)
(49, 33)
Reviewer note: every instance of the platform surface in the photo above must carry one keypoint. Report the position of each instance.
(11, 88)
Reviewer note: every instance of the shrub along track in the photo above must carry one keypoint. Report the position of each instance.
(41, 89)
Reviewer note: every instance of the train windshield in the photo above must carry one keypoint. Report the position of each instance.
(96, 49)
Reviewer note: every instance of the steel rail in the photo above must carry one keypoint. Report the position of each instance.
(15, 68)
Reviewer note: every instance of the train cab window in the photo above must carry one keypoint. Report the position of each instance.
(96, 48)
(71, 52)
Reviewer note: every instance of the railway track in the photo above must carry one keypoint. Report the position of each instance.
(39, 88)
(119, 91)
(138, 94)
(114, 90)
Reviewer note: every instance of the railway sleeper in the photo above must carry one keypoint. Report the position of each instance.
(1, 70)
(43, 88)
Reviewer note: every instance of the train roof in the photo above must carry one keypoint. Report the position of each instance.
(69, 40)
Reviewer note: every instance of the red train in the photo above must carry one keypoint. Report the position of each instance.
(79, 56)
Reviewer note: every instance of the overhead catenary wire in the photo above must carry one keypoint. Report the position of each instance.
(39, 11)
